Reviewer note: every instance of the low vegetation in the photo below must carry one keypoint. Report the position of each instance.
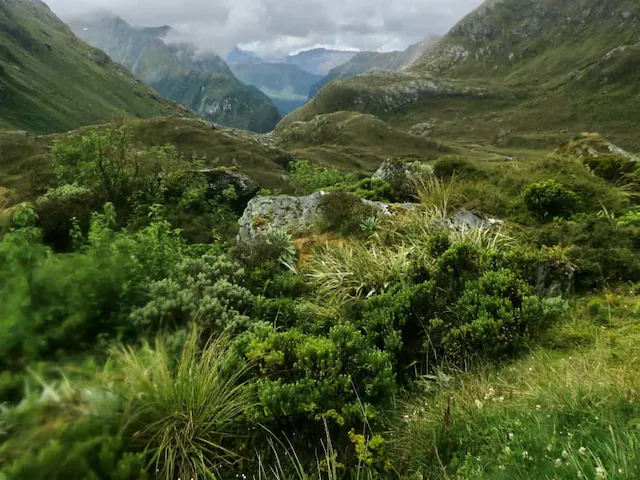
(140, 340)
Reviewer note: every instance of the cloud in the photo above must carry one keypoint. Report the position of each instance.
(281, 26)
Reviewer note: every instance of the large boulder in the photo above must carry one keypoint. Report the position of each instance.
(400, 174)
(293, 214)
(466, 220)
(221, 178)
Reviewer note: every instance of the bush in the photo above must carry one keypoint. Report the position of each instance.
(496, 315)
(65, 303)
(448, 167)
(342, 211)
(307, 177)
(603, 250)
(203, 289)
(550, 199)
(306, 379)
(114, 169)
(612, 168)
(62, 210)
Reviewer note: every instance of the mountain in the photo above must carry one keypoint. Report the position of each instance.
(237, 55)
(319, 61)
(52, 81)
(286, 85)
(179, 72)
(518, 70)
(366, 61)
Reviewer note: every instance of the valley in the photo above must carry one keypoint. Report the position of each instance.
(320, 263)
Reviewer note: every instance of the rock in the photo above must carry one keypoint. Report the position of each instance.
(285, 212)
(593, 145)
(393, 171)
(466, 220)
(555, 278)
(221, 178)
(293, 214)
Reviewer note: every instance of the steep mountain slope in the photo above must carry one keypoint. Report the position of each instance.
(204, 82)
(366, 61)
(52, 81)
(319, 61)
(286, 85)
(513, 68)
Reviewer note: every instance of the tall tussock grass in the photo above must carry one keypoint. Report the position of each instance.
(183, 414)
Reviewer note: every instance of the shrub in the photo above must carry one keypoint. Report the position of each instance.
(495, 315)
(63, 209)
(343, 212)
(307, 177)
(602, 249)
(183, 416)
(449, 167)
(306, 379)
(550, 199)
(612, 168)
(369, 188)
(108, 163)
(61, 303)
(203, 289)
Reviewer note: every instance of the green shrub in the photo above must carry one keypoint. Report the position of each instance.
(203, 289)
(63, 209)
(306, 379)
(497, 314)
(65, 303)
(448, 167)
(550, 199)
(369, 188)
(342, 211)
(612, 168)
(307, 177)
(603, 250)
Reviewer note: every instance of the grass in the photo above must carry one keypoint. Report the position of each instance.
(183, 415)
(555, 414)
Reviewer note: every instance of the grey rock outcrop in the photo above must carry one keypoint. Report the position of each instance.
(466, 220)
(293, 214)
(219, 179)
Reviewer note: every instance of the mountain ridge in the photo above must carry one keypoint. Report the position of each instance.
(44, 69)
(514, 67)
(203, 81)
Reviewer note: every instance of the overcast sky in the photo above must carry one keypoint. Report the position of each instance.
(284, 26)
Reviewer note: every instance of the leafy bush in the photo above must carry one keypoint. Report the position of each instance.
(307, 177)
(495, 315)
(112, 167)
(56, 303)
(203, 289)
(550, 199)
(62, 210)
(369, 188)
(306, 379)
(603, 250)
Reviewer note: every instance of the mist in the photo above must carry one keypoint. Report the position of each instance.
(284, 26)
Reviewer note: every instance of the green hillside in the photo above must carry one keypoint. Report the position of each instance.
(204, 82)
(366, 61)
(52, 81)
(513, 68)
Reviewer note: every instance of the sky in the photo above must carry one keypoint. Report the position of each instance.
(285, 26)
